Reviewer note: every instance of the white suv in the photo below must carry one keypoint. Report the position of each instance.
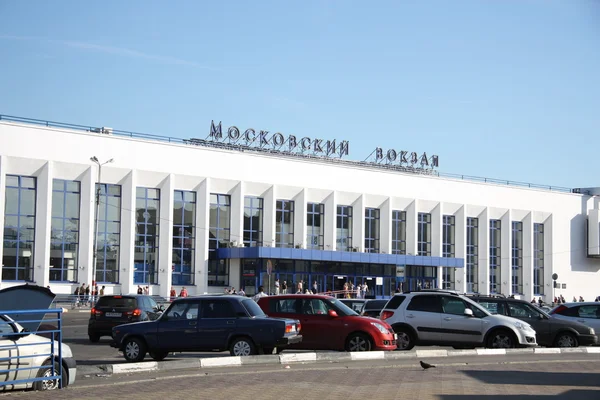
(444, 318)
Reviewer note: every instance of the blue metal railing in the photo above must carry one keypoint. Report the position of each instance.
(228, 146)
(15, 348)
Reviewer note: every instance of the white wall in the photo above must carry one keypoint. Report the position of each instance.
(31, 150)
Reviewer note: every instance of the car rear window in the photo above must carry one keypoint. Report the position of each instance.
(375, 304)
(395, 302)
(121, 302)
(253, 309)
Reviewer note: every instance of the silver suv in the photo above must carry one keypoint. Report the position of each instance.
(445, 318)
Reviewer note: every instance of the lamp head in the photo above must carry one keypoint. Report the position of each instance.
(94, 159)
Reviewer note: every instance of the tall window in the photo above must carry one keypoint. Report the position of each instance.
(472, 254)
(184, 236)
(315, 226)
(495, 256)
(19, 228)
(284, 224)
(147, 217)
(219, 228)
(344, 228)
(109, 233)
(398, 232)
(253, 221)
(372, 230)
(517, 258)
(448, 249)
(64, 234)
(424, 235)
(538, 259)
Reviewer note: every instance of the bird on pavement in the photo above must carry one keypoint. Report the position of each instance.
(425, 365)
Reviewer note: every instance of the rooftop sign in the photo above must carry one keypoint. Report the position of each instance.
(406, 159)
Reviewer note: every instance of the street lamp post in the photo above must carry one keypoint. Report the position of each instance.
(95, 160)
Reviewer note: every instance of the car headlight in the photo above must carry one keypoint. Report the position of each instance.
(592, 331)
(380, 328)
(520, 325)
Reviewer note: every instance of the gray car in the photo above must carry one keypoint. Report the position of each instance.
(587, 313)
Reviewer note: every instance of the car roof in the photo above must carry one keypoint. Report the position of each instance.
(211, 297)
(302, 296)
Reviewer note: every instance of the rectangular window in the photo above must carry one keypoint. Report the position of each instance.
(253, 221)
(424, 235)
(344, 228)
(371, 230)
(472, 252)
(448, 249)
(538, 259)
(64, 233)
(284, 224)
(398, 232)
(19, 228)
(315, 226)
(147, 217)
(517, 258)
(109, 233)
(184, 237)
(219, 236)
(495, 256)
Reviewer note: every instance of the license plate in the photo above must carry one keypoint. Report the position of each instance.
(395, 336)
(113, 314)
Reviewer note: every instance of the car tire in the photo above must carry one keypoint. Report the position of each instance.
(566, 339)
(359, 342)
(158, 355)
(242, 346)
(405, 340)
(501, 339)
(50, 384)
(134, 350)
(94, 338)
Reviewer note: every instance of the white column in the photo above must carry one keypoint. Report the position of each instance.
(330, 239)
(460, 248)
(548, 259)
(87, 225)
(483, 283)
(41, 252)
(300, 228)
(269, 203)
(358, 223)
(528, 257)
(385, 227)
(237, 214)
(506, 253)
(412, 228)
(3, 163)
(202, 223)
(593, 232)
(165, 252)
(436, 239)
(127, 247)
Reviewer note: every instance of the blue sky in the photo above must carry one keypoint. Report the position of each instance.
(505, 89)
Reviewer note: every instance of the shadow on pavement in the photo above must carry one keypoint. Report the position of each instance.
(536, 378)
(575, 394)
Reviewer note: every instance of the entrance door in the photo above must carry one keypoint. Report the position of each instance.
(321, 282)
(416, 284)
(337, 285)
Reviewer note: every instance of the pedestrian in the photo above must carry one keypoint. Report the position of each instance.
(315, 287)
(276, 287)
(102, 290)
(87, 294)
(284, 287)
(261, 293)
(183, 292)
(146, 290)
(140, 290)
(173, 294)
(241, 292)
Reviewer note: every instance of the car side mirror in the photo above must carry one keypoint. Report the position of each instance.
(332, 313)
(468, 312)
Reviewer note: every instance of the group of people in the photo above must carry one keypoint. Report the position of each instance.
(86, 295)
(355, 292)
(241, 292)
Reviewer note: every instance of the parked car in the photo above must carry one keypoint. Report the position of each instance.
(206, 323)
(445, 318)
(34, 352)
(328, 324)
(113, 310)
(587, 313)
(355, 304)
(373, 308)
(550, 331)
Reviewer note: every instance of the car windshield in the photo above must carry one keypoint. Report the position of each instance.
(342, 309)
(375, 304)
(253, 309)
(477, 306)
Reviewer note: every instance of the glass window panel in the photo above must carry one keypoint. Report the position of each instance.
(27, 182)
(12, 180)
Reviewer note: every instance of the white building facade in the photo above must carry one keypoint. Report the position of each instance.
(173, 215)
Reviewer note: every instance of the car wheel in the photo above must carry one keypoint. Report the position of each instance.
(359, 342)
(134, 350)
(405, 340)
(501, 339)
(50, 384)
(158, 355)
(94, 338)
(242, 347)
(566, 340)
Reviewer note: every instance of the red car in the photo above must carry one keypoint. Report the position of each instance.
(328, 324)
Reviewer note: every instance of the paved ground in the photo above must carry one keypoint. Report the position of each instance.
(571, 377)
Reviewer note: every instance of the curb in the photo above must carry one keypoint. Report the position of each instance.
(312, 358)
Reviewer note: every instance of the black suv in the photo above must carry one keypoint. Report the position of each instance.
(550, 331)
(113, 310)
(207, 323)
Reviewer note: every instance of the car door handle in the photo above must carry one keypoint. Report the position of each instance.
(193, 323)
(230, 322)
(447, 319)
(410, 316)
(581, 320)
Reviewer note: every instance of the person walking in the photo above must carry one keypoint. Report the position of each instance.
(276, 287)
(261, 293)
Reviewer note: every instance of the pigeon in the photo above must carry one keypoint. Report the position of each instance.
(425, 365)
